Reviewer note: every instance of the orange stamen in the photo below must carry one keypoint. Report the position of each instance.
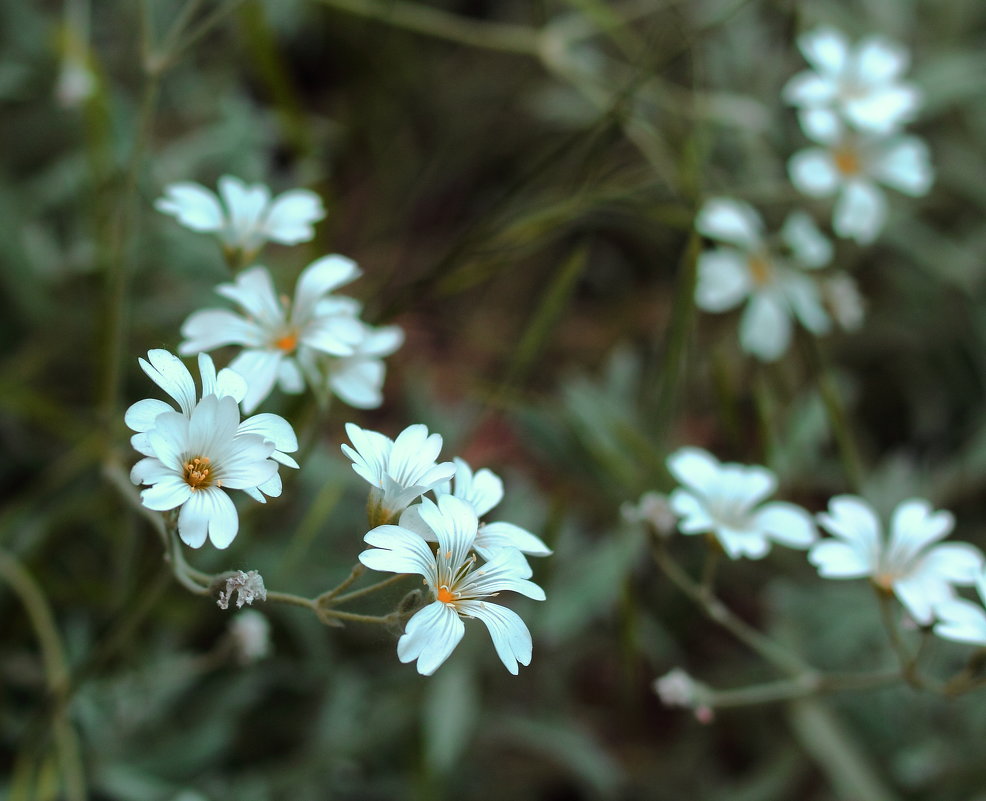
(847, 160)
(287, 343)
(759, 270)
(445, 596)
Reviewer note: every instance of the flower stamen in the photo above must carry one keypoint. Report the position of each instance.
(198, 474)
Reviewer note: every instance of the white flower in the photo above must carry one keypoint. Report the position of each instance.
(677, 689)
(844, 301)
(850, 166)
(919, 574)
(749, 268)
(860, 84)
(962, 620)
(458, 586)
(400, 471)
(724, 500)
(249, 633)
(654, 509)
(195, 459)
(170, 374)
(482, 490)
(279, 338)
(247, 217)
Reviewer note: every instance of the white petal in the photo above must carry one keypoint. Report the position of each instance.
(141, 416)
(507, 535)
(254, 291)
(510, 635)
(962, 621)
(809, 89)
(223, 521)
(271, 427)
(483, 489)
(723, 279)
(954, 562)
(821, 125)
(920, 593)
(193, 206)
(397, 549)
(803, 297)
(879, 60)
(150, 471)
(729, 220)
(209, 329)
(853, 520)
(743, 486)
(859, 212)
(290, 217)
(358, 382)
(765, 327)
(371, 454)
(454, 523)
(259, 369)
(736, 544)
(787, 524)
(231, 383)
(247, 464)
(813, 172)
(913, 527)
(212, 426)
(245, 206)
(430, 637)
(905, 165)
(289, 377)
(413, 455)
(825, 48)
(169, 438)
(808, 244)
(507, 570)
(166, 494)
(272, 487)
(381, 341)
(167, 371)
(693, 513)
(694, 468)
(839, 560)
(884, 111)
(320, 277)
(193, 520)
(336, 335)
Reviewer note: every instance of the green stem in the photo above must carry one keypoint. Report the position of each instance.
(326, 597)
(802, 686)
(56, 670)
(351, 596)
(771, 651)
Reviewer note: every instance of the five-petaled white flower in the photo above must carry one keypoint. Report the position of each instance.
(860, 85)
(919, 573)
(725, 500)
(400, 471)
(850, 166)
(246, 217)
(962, 620)
(196, 458)
(280, 339)
(482, 490)
(170, 374)
(750, 267)
(457, 583)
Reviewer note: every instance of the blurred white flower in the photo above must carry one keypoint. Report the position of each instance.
(76, 82)
(196, 458)
(249, 633)
(919, 573)
(170, 374)
(399, 471)
(851, 167)
(751, 268)
(677, 688)
(246, 217)
(860, 85)
(962, 620)
(654, 509)
(844, 301)
(725, 500)
(458, 585)
(280, 338)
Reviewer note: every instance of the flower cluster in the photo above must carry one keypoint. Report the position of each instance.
(852, 103)
(462, 560)
(727, 502)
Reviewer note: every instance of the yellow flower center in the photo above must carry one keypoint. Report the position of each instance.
(198, 474)
(446, 596)
(760, 270)
(287, 342)
(847, 160)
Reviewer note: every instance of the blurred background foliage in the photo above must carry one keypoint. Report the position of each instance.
(519, 186)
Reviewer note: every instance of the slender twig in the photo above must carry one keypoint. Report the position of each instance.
(799, 687)
(351, 596)
(326, 597)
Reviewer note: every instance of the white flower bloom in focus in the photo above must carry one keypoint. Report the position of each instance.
(457, 583)
(851, 167)
(860, 84)
(170, 374)
(196, 459)
(749, 268)
(909, 565)
(725, 500)
(962, 620)
(400, 471)
(482, 490)
(280, 339)
(246, 217)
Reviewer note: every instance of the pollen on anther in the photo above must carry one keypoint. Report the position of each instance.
(448, 554)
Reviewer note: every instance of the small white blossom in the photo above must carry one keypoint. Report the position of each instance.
(457, 584)
(358, 379)
(249, 633)
(750, 268)
(907, 564)
(246, 217)
(859, 85)
(170, 374)
(962, 620)
(195, 460)
(725, 500)
(248, 587)
(654, 509)
(281, 339)
(399, 471)
(677, 689)
(851, 166)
